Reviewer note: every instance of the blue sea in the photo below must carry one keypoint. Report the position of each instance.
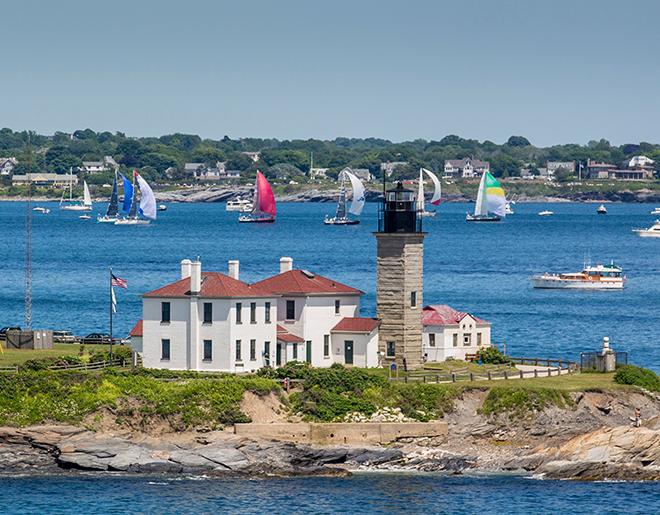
(480, 268)
(362, 493)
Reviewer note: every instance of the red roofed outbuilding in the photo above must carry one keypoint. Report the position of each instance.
(449, 333)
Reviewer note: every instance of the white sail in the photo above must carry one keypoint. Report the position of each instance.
(437, 192)
(420, 192)
(147, 200)
(87, 198)
(357, 204)
(480, 207)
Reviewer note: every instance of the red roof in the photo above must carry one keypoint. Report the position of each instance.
(137, 329)
(214, 285)
(297, 282)
(356, 325)
(285, 336)
(441, 314)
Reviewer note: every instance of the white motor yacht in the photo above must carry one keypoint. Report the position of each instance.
(599, 277)
(651, 232)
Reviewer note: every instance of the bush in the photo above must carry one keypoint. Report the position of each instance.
(492, 356)
(637, 376)
(45, 363)
(118, 352)
(292, 370)
(518, 402)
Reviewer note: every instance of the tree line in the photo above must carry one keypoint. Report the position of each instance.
(154, 155)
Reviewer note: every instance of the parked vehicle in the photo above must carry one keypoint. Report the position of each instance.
(101, 338)
(3, 331)
(64, 337)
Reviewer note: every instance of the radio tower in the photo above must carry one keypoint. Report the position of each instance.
(28, 244)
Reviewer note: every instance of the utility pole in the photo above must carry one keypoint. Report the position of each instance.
(28, 243)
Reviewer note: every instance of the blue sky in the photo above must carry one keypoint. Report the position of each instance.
(554, 71)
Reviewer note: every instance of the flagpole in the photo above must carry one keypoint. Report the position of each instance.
(111, 309)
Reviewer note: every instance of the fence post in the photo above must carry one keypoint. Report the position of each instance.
(424, 379)
(453, 377)
(549, 371)
(506, 376)
(437, 378)
(489, 375)
(536, 372)
(521, 374)
(405, 379)
(471, 376)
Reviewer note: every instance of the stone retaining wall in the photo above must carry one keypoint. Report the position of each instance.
(342, 433)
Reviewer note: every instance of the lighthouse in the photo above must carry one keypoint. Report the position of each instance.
(399, 278)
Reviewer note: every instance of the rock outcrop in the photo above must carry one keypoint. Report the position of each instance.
(44, 449)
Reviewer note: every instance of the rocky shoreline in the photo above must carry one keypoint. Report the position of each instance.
(217, 194)
(592, 441)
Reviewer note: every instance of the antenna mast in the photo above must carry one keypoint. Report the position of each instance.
(28, 243)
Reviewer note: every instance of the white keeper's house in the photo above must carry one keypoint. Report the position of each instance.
(451, 334)
(210, 321)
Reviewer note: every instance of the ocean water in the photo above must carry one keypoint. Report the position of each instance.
(480, 268)
(362, 493)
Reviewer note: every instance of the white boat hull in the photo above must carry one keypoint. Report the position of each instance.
(564, 284)
(106, 219)
(426, 214)
(645, 233)
(76, 208)
(132, 221)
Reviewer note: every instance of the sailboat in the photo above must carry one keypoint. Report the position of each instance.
(111, 214)
(491, 202)
(357, 203)
(435, 200)
(86, 203)
(264, 209)
(146, 207)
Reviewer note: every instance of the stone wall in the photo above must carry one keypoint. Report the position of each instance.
(400, 265)
(375, 433)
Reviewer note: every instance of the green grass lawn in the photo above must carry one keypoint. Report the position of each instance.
(10, 357)
(569, 382)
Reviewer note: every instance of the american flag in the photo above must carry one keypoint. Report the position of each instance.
(119, 282)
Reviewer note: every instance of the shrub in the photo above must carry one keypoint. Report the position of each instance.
(45, 363)
(492, 356)
(518, 401)
(637, 376)
(118, 352)
(292, 370)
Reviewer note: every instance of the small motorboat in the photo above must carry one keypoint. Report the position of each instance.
(546, 212)
(241, 205)
(599, 277)
(41, 210)
(651, 232)
(656, 211)
(508, 209)
(84, 217)
(162, 207)
(602, 210)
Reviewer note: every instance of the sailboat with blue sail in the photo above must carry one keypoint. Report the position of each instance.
(138, 213)
(112, 213)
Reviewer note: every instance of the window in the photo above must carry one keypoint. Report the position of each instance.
(455, 339)
(290, 309)
(165, 350)
(308, 352)
(467, 340)
(253, 312)
(164, 312)
(326, 345)
(267, 350)
(253, 350)
(208, 312)
(431, 339)
(208, 350)
(479, 339)
(267, 312)
(295, 351)
(239, 307)
(238, 350)
(413, 299)
(391, 349)
(337, 306)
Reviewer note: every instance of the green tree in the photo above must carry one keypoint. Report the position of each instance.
(59, 159)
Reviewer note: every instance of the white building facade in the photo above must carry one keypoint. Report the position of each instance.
(466, 168)
(208, 321)
(451, 334)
